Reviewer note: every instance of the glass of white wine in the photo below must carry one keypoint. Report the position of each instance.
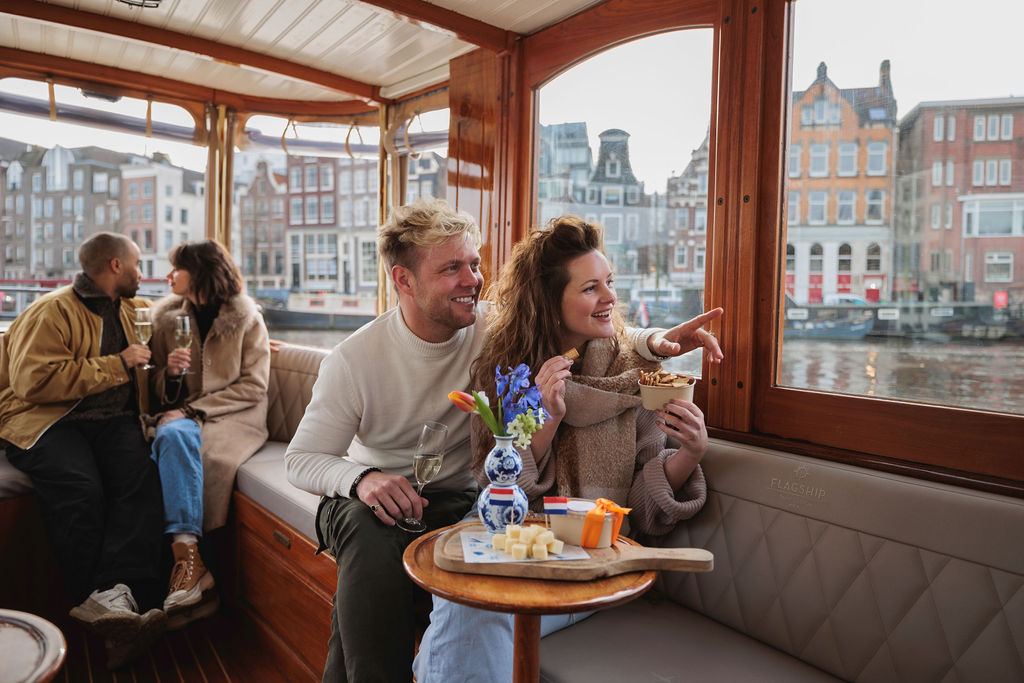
(144, 330)
(183, 334)
(426, 462)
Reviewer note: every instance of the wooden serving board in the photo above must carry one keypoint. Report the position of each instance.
(622, 557)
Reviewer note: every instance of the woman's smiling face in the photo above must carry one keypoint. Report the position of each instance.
(588, 300)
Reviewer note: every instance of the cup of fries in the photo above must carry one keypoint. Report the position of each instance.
(658, 388)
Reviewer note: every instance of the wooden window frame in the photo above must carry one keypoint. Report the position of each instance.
(751, 47)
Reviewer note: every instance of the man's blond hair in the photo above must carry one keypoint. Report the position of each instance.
(423, 223)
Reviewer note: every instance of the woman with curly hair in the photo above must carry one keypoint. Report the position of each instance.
(555, 294)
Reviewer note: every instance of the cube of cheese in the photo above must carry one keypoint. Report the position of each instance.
(545, 537)
(539, 551)
(555, 547)
(518, 551)
(527, 534)
(498, 541)
(512, 531)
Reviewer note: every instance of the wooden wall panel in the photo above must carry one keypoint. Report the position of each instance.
(482, 162)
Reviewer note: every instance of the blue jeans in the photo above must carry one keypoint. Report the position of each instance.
(472, 645)
(176, 451)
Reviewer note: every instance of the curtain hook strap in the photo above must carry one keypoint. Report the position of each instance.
(53, 100)
(291, 122)
(405, 134)
(149, 116)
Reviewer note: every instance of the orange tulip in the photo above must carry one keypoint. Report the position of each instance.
(463, 401)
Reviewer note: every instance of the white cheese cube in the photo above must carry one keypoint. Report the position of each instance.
(518, 551)
(512, 531)
(545, 537)
(498, 541)
(539, 551)
(527, 534)
(555, 547)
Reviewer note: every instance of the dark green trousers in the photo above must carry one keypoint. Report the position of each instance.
(373, 621)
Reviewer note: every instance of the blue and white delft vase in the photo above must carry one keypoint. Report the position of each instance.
(502, 501)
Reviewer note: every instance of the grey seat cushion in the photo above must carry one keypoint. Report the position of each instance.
(263, 479)
(658, 641)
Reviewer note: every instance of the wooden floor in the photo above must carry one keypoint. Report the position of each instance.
(212, 650)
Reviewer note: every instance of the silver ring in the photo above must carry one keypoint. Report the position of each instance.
(374, 507)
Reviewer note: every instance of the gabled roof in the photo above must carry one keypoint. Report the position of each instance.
(873, 104)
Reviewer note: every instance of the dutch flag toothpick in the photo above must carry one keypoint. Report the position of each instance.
(502, 496)
(555, 505)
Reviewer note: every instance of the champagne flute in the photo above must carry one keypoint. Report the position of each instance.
(426, 462)
(183, 334)
(144, 330)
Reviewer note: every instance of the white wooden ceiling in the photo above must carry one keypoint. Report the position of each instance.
(395, 49)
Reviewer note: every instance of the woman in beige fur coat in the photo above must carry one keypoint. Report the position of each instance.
(214, 394)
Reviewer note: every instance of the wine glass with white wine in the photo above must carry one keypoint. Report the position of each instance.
(183, 334)
(144, 330)
(426, 462)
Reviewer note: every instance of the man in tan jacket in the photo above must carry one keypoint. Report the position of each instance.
(71, 391)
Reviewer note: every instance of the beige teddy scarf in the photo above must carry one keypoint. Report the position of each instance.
(595, 456)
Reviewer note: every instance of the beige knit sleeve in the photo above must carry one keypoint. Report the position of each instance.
(656, 507)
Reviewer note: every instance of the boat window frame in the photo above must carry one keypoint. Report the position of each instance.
(745, 274)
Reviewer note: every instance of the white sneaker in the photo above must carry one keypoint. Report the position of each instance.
(112, 613)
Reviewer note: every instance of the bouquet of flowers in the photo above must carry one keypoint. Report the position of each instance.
(520, 409)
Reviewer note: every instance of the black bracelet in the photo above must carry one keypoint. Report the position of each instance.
(359, 478)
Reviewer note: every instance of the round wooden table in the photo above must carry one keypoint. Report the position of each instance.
(528, 599)
(32, 649)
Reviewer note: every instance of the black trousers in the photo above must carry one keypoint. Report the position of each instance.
(99, 493)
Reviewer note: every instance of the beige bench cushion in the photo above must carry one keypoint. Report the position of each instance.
(643, 641)
(867, 575)
(263, 479)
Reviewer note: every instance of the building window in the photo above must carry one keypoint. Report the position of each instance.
(794, 161)
(793, 208)
(99, 182)
(991, 172)
(147, 213)
(936, 173)
(368, 262)
(876, 205)
(312, 206)
(1007, 127)
(979, 128)
(100, 214)
(937, 130)
(679, 256)
(1004, 172)
(876, 158)
(326, 177)
(993, 127)
(847, 159)
(978, 173)
(168, 213)
(951, 128)
(77, 179)
(936, 216)
(295, 216)
(700, 220)
(65, 206)
(950, 169)
(295, 179)
(817, 261)
(327, 208)
(698, 259)
(845, 202)
(874, 261)
(816, 204)
(998, 266)
(790, 259)
(611, 196)
(147, 189)
(612, 168)
(819, 161)
(845, 260)
(612, 228)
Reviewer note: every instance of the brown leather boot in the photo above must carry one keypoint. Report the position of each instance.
(191, 593)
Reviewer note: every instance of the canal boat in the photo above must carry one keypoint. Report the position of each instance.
(855, 537)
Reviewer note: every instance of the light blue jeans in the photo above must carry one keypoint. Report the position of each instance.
(176, 451)
(472, 645)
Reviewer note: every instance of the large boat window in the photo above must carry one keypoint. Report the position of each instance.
(904, 205)
(91, 169)
(624, 146)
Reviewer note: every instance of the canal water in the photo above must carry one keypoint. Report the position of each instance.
(971, 374)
